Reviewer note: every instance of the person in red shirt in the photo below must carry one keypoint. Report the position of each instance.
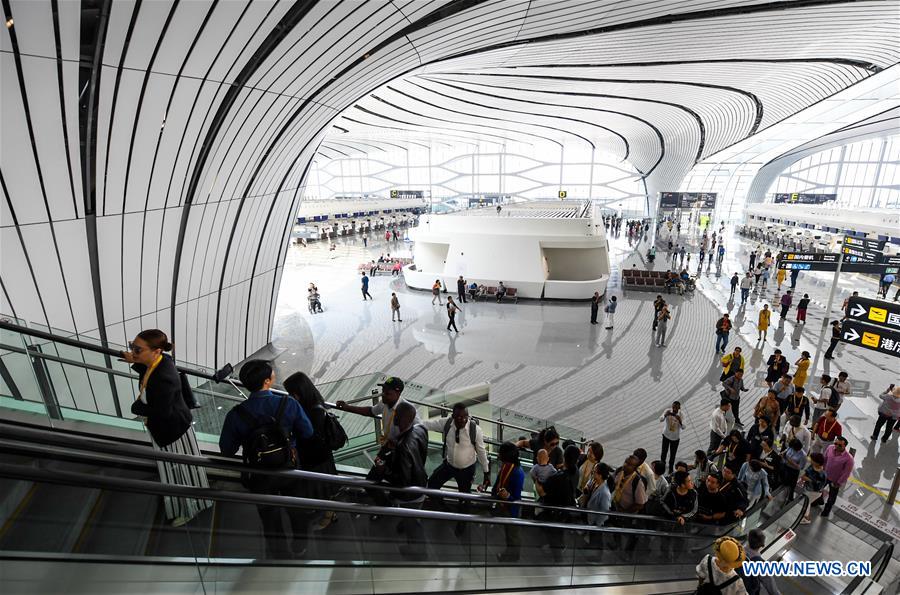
(826, 429)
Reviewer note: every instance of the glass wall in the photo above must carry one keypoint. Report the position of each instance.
(863, 175)
(533, 171)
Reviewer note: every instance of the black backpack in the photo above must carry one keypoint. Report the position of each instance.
(333, 434)
(711, 588)
(268, 445)
(834, 398)
(448, 425)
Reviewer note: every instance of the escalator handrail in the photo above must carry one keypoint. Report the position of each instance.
(97, 481)
(40, 437)
(880, 560)
(6, 325)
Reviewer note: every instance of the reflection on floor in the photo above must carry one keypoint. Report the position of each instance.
(545, 359)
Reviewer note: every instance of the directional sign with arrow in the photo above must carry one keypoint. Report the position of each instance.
(872, 337)
(878, 312)
(864, 244)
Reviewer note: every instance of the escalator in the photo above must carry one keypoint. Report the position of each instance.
(85, 514)
(78, 510)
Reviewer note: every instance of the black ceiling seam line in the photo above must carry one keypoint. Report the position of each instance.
(347, 145)
(458, 140)
(203, 80)
(409, 125)
(868, 66)
(870, 120)
(137, 118)
(8, 301)
(197, 95)
(588, 124)
(20, 77)
(524, 20)
(285, 25)
(126, 46)
(54, 9)
(662, 146)
(778, 5)
(818, 101)
(408, 40)
(505, 139)
(162, 226)
(344, 130)
(757, 102)
(92, 43)
(700, 125)
(15, 219)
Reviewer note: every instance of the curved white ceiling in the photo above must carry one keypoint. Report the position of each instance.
(153, 151)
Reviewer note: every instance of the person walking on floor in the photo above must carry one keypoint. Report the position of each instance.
(731, 363)
(395, 308)
(723, 327)
(595, 307)
(718, 425)
(436, 292)
(662, 322)
(163, 405)
(365, 287)
(746, 284)
(732, 387)
(802, 305)
(735, 279)
(835, 339)
(786, 300)
(658, 304)
(839, 465)
(780, 276)
(461, 289)
(610, 311)
(452, 309)
(762, 326)
(888, 413)
(266, 428)
(802, 371)
(673, 423)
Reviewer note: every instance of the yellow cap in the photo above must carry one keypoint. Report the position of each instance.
(729, 552)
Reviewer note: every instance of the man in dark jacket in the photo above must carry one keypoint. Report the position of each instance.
(733, 495)
(258, 377)
(401, 463)
(461, 289)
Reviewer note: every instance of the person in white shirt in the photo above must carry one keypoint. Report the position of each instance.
(674, 423)
(794, 429)
(821, 401)
(718, 425)
(386, 408)
(463, 446)
(842, 387)
(719, 568)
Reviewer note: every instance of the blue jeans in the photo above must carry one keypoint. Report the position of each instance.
(721, 341)
(744, 294)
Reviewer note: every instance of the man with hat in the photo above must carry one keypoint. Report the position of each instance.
(716, 571)
(386, 409)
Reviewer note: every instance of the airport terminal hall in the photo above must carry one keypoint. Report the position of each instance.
(402, 297)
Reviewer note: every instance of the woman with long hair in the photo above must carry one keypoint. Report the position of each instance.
(162, 405)
(313, 453)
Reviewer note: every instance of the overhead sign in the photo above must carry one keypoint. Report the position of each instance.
(687, 200)
(803, 198)
(875, 312)
(864, 244)
(563, 193)
(856, 255)
(808, 261)
(407, 194)
(882, 266)
(876, 338)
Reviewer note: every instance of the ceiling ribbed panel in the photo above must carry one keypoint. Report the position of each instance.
(154, 185)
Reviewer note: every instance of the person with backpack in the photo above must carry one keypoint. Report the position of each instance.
(164, 402)
(266, 428)
(401, 463)
(316, 454)
(463, 443)
(723, 328)
(630, 494)
(717, 571)
(756, 585)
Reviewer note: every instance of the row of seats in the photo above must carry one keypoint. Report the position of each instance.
(491, 292)
(649, 280)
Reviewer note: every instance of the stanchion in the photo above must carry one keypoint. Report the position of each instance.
(892, 494)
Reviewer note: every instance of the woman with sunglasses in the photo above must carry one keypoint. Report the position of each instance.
(161, 404)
